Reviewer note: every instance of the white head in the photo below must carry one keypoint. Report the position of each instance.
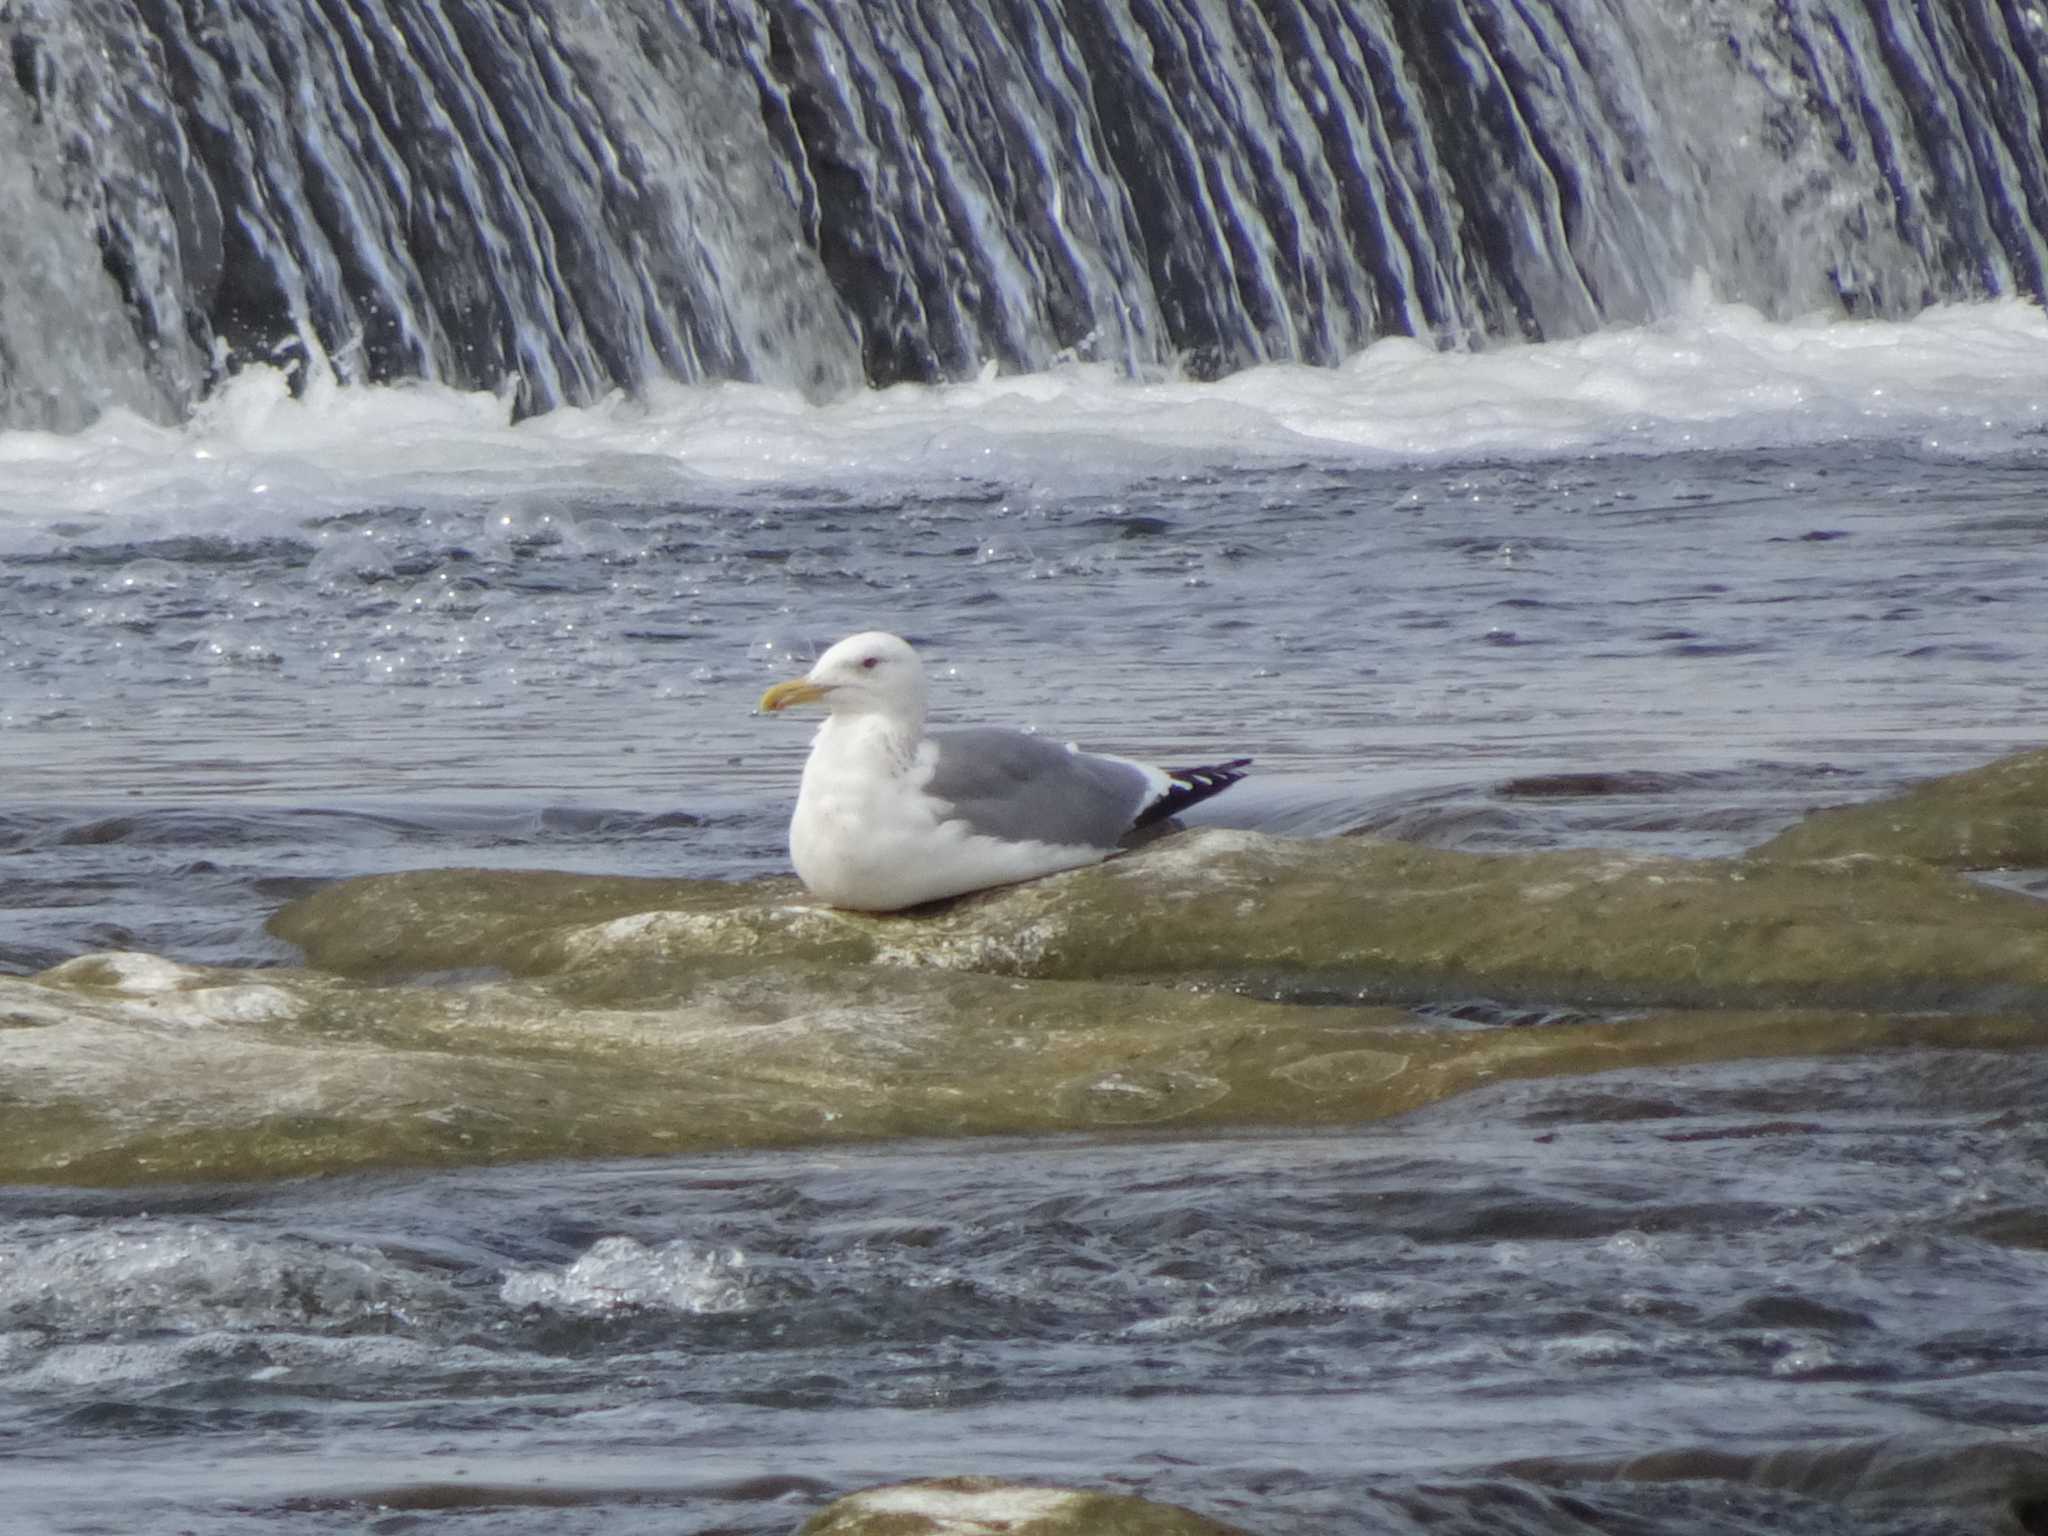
(868, 674)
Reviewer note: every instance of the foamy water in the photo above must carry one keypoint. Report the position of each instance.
(1956, 379)
(1302, 1334)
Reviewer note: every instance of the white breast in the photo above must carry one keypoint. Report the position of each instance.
(866, 836)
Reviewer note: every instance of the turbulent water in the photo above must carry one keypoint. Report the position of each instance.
(564, 196)
(1660, 590)
(1782, 1298)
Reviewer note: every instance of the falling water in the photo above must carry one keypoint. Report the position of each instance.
(563, 198)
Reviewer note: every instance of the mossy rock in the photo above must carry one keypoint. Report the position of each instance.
(1992, 817)
(1349, 919)
(1211, 981)
(123, 1070)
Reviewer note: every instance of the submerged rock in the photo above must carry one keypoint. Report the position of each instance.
(120, 1069)
(1352, 919)
(1935, 1481)
(986, 1506)
(1214, 980)
(1987, 818)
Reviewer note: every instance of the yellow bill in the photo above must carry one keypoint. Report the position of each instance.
(798, 690)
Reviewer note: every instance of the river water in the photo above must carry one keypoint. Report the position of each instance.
(1661, 589)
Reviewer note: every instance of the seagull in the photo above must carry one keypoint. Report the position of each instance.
(891, 816)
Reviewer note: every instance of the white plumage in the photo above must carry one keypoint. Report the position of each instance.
(889, 816)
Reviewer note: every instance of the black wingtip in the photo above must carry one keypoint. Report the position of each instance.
(1191, 786)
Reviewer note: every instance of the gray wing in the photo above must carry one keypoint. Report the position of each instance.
(1016, 787)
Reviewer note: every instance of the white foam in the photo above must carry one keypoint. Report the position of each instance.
(621, 1275)
(967, 1508)
(127, 971)
(1962, 378)
(189, 1276)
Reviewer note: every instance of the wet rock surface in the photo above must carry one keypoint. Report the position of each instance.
(1985, 818)
(1369, 920)
(1216, 979)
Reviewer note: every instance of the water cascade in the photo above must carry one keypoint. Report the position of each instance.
(558, 198)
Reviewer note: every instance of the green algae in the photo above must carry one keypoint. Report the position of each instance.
(480, 919)
(188, 1077)
(1992, 817)
(1351, 917)
(1210, 981)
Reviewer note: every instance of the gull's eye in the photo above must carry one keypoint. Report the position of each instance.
(869, 663)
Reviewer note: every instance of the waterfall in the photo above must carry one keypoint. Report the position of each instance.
(559, 198)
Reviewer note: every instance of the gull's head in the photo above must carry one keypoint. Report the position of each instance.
(874, 674)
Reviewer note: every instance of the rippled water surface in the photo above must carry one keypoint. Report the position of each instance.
(1385, 1330)
(1676, 652)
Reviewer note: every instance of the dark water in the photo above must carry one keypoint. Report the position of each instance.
(1466, 1321)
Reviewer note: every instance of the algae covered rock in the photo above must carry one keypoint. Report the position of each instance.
(127, 1069)
(1214, 980)
(1349, 919)
(1986, 818)
(986, 1506)
(470, 919)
